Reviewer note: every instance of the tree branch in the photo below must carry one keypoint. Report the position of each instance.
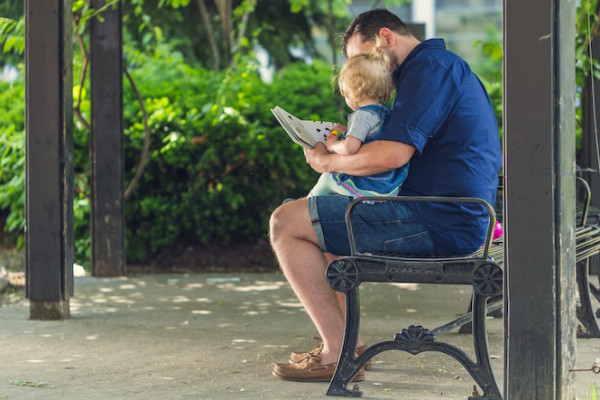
(86, 60)
(144, 157)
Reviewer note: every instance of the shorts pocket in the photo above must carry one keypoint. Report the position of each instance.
(419, 244)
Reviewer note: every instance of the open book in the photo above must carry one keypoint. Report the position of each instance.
(306, 133)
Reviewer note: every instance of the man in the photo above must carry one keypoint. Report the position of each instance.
(443, 122)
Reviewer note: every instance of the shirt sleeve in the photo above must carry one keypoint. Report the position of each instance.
(426, 91)
(361, 123)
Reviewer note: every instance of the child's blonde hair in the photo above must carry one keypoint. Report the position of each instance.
(367, 76)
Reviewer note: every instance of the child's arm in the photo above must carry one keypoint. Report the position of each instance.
(347, 146)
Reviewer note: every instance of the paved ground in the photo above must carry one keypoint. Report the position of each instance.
(197, 337)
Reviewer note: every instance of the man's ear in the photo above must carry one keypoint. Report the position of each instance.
(387, 37)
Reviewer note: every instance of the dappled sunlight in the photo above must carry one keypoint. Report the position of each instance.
(411, 287)
(201, 312)
(275, 346)
(203, 300)
(121, 300)
(243, 341)
(291, 303)
(181, 299)
(258, 286)
(192, 286)
(128, 287)
(197, 296)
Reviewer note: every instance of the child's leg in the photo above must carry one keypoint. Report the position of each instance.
(326, 185)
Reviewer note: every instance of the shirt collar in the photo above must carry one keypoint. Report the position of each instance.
(426, 44)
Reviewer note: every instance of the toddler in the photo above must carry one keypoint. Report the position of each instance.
(365, 82)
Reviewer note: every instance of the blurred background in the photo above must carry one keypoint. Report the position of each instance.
(207, 73)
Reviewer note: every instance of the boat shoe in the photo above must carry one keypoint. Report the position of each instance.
(309, 370)
(298, 356)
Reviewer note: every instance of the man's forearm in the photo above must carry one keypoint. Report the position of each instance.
(372, 158)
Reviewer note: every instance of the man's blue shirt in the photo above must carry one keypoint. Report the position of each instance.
(442, 109)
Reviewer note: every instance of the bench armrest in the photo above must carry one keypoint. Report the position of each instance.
(587, 198)
(488, 207)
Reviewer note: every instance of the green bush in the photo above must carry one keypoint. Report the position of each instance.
(12, 155)
(218, 164)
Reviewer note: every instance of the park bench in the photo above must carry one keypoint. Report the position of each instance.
(482, 270)
(586, 216)
(586, 314)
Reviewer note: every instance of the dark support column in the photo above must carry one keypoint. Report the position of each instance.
(49, 159)
(539, 145)
(107, 214)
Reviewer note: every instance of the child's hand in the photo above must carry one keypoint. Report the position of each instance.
(340, 127)
(331, 140)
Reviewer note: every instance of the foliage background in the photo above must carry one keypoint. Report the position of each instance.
(218, 162)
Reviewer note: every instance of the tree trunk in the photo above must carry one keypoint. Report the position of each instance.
(224, 8)
(211, 35)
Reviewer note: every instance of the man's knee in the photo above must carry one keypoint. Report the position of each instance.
(277, 223)
(290, 220)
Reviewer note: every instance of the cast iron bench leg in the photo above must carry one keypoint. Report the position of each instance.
(347, 365)
(416, 339)
(482, 372)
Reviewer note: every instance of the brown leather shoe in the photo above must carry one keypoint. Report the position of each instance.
(309, 370)
(298, 356)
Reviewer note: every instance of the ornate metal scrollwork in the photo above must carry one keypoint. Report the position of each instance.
(415, 335)
(487, 280)
(342, 275)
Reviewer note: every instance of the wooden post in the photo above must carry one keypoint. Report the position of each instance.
(539, 146)
(49, 158)
(106, 148)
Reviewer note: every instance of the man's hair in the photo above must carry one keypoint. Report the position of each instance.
(368, 24)
(366, 76)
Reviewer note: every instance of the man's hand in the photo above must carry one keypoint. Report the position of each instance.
(317, 158)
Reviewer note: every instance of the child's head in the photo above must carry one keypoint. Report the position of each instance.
(366, 78)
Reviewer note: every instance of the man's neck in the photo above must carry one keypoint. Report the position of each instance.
(404, 45)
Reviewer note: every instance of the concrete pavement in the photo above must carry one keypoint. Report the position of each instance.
(216, 336)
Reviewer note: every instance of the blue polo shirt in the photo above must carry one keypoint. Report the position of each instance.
(443, 110)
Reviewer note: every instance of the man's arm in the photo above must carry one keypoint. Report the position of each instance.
(372, 158)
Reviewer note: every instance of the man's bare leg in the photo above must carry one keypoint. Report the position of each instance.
(295, 244)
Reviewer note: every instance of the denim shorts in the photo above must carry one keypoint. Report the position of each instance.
(377, 226)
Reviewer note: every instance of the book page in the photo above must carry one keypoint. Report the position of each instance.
(306, 133)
